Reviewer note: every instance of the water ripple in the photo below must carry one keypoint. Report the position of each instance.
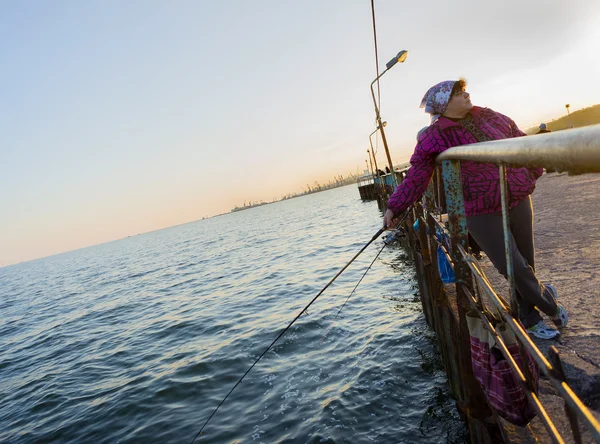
(138, 340)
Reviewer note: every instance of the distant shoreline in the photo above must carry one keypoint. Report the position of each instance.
(336, 183)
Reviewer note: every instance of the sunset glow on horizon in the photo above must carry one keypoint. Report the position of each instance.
(123, 118)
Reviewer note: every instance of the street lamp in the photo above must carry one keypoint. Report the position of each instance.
(375, 158)
(569, 114)
(400, 58)
(383, 125)
(371, 162)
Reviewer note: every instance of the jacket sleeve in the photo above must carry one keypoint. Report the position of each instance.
(417, 178)
(514, 129)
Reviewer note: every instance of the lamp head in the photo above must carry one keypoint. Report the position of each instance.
(400, 58)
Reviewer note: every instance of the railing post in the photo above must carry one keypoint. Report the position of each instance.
(439, 190)
(457, 222)
(422, 234)
(472, 395)
(510, 276)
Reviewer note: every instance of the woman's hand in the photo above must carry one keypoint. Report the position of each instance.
(388, 219)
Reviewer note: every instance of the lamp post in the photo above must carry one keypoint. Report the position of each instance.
(375, 158)
(568, 106)
(382, 125)
(371, 162)
(400, 58)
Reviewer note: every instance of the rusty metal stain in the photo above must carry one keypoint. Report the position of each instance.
(455, 201)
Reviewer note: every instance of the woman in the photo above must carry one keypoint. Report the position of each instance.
(455, 121)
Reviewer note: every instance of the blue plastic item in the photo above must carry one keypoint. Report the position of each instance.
(446, 271)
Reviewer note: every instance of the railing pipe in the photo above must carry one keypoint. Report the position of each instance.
(560, 374)
(576, 151)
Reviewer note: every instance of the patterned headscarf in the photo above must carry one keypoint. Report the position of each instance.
(435, 101)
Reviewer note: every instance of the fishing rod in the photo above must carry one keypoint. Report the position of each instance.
(352, 292)
(375, 236)
(386, 242)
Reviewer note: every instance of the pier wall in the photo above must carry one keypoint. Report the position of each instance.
(440, 307)
(567, 395)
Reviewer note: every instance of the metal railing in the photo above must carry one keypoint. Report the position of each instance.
(364, 180)
(379, 187)
(574, 151)
(385, 179)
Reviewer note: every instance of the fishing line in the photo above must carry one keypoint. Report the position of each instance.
(353, 290)
(385, 244)
(287, 328)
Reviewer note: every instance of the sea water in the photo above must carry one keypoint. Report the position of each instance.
(138, 340)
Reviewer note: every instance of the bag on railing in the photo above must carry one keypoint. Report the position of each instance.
(501, 387)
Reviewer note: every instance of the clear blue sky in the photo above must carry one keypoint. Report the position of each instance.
(121, 117)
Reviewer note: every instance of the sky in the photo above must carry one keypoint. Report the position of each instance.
(119, 117)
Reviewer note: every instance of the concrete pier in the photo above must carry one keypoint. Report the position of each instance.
(567, 238)
(567, 242)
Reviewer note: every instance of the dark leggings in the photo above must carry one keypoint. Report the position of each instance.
(488, 231)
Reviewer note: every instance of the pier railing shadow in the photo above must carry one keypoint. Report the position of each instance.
(442, 230)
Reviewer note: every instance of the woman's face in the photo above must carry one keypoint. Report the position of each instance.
(459, 104)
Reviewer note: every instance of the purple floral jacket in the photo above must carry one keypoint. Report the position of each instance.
(481, 185)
